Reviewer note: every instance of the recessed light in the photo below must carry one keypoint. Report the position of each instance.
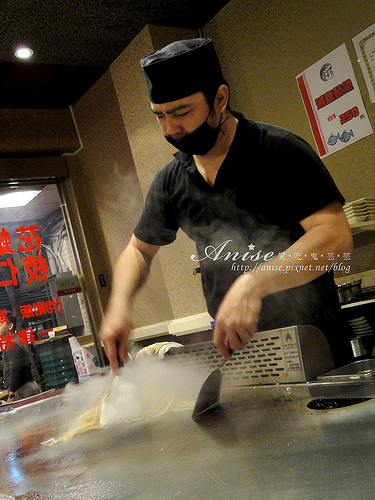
(23, 52)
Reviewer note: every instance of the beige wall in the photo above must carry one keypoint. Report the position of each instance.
(263, 45)
(35, 131)
(111, 191)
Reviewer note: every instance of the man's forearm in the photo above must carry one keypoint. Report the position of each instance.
(327, 234)
(297, 265)
(130, 273)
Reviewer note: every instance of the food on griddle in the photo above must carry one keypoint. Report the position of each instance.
(91, 419)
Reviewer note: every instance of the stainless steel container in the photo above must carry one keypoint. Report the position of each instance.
(358, 347)
(349, 292)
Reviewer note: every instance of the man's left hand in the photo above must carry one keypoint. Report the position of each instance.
(238, 315)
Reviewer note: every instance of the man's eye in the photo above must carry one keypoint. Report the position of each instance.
(182, 114)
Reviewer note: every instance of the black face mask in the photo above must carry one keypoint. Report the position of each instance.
(200, 141)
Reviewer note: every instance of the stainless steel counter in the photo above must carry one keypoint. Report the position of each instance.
(265, 444)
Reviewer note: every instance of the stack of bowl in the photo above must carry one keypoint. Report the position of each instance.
(57, 363)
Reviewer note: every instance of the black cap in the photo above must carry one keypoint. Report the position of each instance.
(182, 68)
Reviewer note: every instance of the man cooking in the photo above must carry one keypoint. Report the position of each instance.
(264, 212)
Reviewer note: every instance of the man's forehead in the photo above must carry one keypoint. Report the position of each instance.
(171, 107)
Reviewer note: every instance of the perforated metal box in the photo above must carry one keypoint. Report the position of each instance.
(285, 355)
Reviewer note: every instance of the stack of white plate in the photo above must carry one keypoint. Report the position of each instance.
(360, 210)
(361, 326)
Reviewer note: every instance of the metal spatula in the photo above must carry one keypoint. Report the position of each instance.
(209, 395)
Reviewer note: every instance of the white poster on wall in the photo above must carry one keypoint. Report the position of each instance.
(364, 45)
(333, 102)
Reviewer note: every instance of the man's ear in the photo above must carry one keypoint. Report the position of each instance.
(222, 98)
(10, 326)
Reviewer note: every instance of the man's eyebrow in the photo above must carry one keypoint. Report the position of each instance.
(172, 110)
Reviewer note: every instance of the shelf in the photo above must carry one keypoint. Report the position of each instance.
(359, 303)
(360, 227)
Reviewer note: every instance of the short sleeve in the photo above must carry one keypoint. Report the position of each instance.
(304, 183)
(157, 224)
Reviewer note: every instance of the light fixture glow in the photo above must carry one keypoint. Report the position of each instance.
(19, 199)
(23, 53)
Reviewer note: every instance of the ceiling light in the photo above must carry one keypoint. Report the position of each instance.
(23, 52)
(19, 199)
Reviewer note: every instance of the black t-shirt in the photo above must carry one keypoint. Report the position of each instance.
(17, 367)
(270, 180)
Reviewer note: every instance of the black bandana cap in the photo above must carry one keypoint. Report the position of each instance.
(181, 69)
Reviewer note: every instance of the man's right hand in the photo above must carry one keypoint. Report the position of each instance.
(114, 333)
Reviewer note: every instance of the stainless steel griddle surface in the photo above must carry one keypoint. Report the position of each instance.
(264, 444)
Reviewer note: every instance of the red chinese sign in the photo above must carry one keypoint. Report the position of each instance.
(6, 341)
(28, 243)
(41, 308)
(27, 336)
(333, 94)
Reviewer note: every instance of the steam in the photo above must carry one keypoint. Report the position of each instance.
(157, 387)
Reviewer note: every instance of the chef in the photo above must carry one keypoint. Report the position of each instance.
(264, 212)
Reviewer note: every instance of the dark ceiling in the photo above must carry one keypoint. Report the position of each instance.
(75, 41)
